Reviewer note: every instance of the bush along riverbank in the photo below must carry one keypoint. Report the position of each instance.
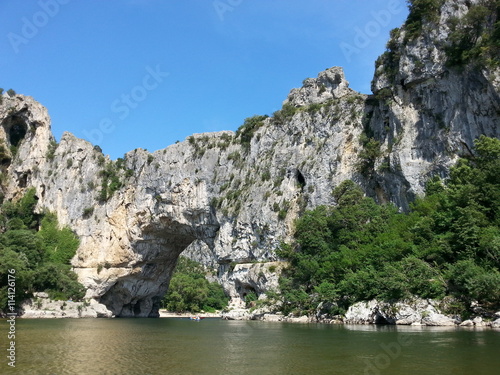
(414, 312)
(37, 252)
(363, 262)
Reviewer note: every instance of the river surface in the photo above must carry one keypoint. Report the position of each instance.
(214, 346)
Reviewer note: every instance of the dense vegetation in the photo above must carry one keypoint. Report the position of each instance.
(448, 245)
(476, 36)
(189, 290)
(246, 131)
(420, 12)
(39, 252)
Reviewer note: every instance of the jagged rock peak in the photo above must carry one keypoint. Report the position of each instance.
(329, 84)
(422, 48)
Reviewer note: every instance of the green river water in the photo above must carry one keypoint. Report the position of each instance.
(214, 346)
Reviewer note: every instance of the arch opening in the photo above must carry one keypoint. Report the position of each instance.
(139, 292)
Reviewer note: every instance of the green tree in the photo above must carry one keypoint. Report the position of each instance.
(189, 290)
(59, 245)
(39, 256)
(246, 131)
(448, 244)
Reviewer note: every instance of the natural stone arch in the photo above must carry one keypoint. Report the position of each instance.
(139, 293)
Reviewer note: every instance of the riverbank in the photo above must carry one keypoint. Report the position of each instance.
(170, 314)
(477, 322)
(42, 307)
(415, 312)
(410, 312)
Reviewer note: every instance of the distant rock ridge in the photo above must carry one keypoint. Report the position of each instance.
(230, 198)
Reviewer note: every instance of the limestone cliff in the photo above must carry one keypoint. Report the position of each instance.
(225, 198)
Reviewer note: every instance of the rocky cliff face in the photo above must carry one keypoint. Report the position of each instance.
(428, 112)
(226, 198)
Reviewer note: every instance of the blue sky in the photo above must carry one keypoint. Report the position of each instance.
(125, 74)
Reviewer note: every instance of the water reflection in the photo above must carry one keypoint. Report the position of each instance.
(212, 346)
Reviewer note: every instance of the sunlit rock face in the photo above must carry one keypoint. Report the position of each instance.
(226, 199)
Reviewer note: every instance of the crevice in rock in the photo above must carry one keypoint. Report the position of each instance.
(16, 129)
(300, 179)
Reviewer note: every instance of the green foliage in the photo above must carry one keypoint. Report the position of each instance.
(120, 163)
(246, 131)
(391, 57)
(235, 156)
(472, 282)
(58, 280)
(421, 11)
(189, 290)
(314, 107)
(5, 157)
(475, 36)
(59, 245)
(384, 94)
(22, 210)
(449, 244)
(368, 155)
(282, 214)
(285, 113)
(266, 175)
(87, 212)
(41, 257)
(101, 160)
(110, 182)
(51, 150)
(199, 144)
(250, 298)
(11, 93)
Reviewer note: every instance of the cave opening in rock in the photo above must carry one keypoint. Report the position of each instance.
(301, 181)
(16, 129)
(247, 293)
(379, 319)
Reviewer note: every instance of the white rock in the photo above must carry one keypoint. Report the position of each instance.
(437, 319)
(237, 314)
(272, 318)
(478, 321)
(41, 295)
(301, 319)
(362, 313)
